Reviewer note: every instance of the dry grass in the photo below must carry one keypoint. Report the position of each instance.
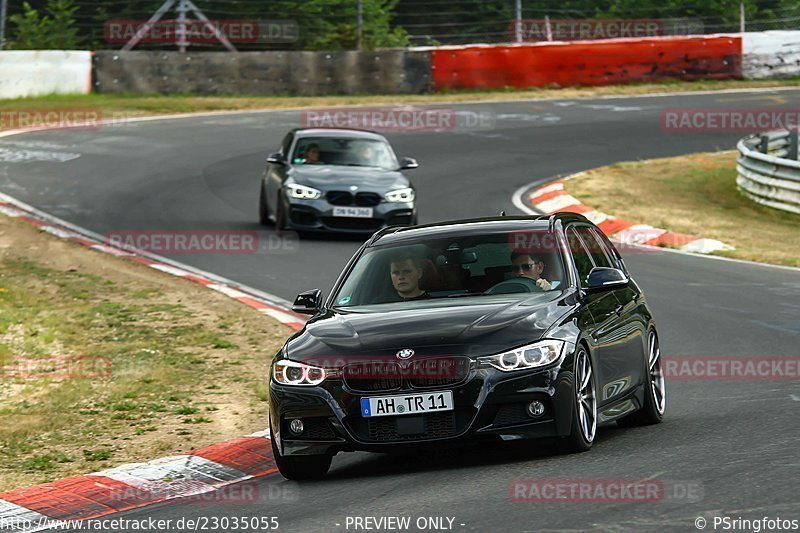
(693, 194)
(105, 361)
(137, 105)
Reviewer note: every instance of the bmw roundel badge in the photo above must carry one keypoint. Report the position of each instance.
(405, 354)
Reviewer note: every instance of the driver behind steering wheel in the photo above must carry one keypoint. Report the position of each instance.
(525, 265)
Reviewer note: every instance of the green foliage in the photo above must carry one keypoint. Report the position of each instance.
(473, 21)
(30, 31)
(333, 25)
(55, 30)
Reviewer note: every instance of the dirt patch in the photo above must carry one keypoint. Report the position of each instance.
(105, 361)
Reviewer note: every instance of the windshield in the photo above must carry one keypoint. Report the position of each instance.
(347, 152)
(469, 266)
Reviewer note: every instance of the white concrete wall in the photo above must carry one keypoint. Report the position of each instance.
(771, 54)
(41, 72)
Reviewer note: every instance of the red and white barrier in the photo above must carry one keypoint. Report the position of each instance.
(602, 62)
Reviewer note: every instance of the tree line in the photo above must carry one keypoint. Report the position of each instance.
(333, 24)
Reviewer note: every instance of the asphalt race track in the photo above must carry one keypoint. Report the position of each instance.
(732, 444)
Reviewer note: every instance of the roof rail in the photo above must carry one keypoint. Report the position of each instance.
(381, 232)
(565, 216)
(337, 128)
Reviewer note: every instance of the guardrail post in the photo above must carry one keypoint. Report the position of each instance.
(793, 145)
(763, 146)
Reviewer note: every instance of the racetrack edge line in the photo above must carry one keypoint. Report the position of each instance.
(516, 200)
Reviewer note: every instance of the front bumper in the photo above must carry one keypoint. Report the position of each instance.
(488, 404)
(317, 215)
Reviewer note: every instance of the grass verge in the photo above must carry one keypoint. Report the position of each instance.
(105, 361)
(143, 105)
(693, 194)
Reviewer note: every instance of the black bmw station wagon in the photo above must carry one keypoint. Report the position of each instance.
(504, 328)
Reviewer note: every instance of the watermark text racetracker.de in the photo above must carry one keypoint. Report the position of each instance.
(583, 29)
(168, 31)
(611, 28)
(181, 492)
(203, 241)
(731, 368)
(86, 118)
(729, 119)
(83, 118)
(613, 491)
(630, 240)
(355, 368)
(399, 119)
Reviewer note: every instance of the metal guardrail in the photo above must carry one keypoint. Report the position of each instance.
(769, 170)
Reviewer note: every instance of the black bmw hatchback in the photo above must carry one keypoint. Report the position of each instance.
(504, 328)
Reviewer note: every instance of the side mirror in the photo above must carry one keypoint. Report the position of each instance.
(308, 302)
(408, 163)
(276, 159)
(606, 279)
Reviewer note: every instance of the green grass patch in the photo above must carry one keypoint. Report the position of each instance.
(116, 106)
(97, 455)
(197, 420)
(694, 194)
(45, 463)
(87, 360)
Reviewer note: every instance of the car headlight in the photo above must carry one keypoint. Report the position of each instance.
(301, 192)
(534, 355)
(288, 372)
(400, 195)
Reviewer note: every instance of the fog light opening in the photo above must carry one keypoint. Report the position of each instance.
(535, 409)
(296, 426)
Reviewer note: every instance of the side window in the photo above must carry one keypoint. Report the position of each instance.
(580, 255)
(596, 249)
(616, 260)
(286, 144)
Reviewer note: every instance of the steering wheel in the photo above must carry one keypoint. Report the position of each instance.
(513, 285)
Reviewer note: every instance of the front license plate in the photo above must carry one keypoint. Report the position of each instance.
(407, 404)
(354, 212)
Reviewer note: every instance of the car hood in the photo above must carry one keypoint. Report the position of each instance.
(332, 177)
(483, 326)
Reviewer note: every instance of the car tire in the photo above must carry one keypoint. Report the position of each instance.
(655, 397)
(263, 208)
(301, 468)
(584, 413)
